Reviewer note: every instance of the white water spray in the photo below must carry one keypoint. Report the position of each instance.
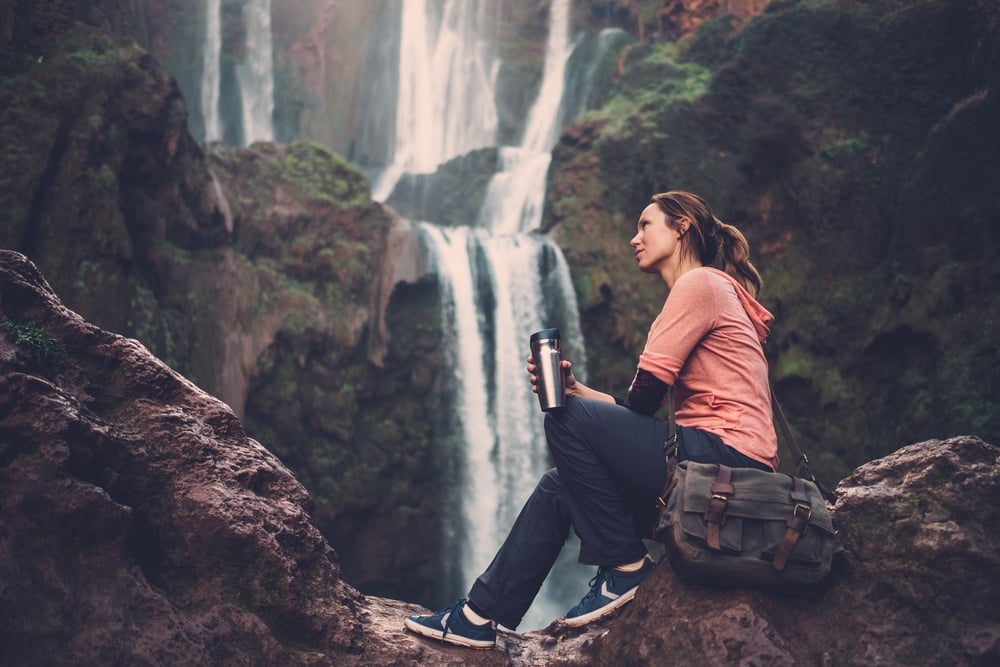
(210, 71)
(256, 73)
(542, 130)
(447, 73)
(463, 324)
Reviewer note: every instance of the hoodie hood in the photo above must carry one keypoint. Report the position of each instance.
(759, 315)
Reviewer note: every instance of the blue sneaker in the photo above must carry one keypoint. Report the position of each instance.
(609, 590)
(451, 625)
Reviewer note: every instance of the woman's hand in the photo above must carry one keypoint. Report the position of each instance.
(573, 386)
(569, 380)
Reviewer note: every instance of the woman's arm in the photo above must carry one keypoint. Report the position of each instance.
(647, 393)
(576, 388)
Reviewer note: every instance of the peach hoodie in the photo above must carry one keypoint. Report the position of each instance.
(707, 344)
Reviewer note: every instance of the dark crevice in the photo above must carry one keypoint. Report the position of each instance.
(149, 554)
(33, 226)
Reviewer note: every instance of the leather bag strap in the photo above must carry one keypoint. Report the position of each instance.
(669, 452)
(801, 460)
(797, 523)
(715, 515)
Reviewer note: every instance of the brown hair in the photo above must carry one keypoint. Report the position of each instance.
(707, 235)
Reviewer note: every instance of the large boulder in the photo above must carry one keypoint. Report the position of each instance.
(140, 525)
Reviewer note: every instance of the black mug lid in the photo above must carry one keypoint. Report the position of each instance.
(545, 334)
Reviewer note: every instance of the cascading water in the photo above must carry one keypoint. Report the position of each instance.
(255, 74)
(210, 71)
(447, 73)
(463, 324)
(501, 279)
(446, 108)
(532, 291)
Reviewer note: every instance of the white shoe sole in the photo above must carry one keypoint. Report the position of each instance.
(451, 638)
(584, 619)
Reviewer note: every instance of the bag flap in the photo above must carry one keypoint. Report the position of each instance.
(757, 494)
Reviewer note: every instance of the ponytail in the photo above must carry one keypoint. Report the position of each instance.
(736, 258)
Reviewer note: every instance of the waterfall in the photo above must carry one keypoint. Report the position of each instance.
(254, 75)
(445, 108)
(532, 291)
(447, 72)
(210, 71)
(542, 130)
(454, 251)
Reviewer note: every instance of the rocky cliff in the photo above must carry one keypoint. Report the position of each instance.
(140, 525)
(267, 276)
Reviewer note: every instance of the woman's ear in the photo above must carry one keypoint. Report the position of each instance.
(683, 224)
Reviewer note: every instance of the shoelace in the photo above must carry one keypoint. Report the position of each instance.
(595, 584)
(451, 611)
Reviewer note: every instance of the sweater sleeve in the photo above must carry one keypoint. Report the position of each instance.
(690, 312)
(646, 394)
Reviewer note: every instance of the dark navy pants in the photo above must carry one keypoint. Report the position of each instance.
(610, 468)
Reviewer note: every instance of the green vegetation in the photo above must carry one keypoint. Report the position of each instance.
(655, 76)
(96, 51)
(848, 147)
(90, 52)
(322, 175)
(40, 346)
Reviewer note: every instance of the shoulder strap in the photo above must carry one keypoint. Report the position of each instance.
(801, 460)
(671, 419)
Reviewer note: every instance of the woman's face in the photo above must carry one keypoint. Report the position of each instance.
(656, 242)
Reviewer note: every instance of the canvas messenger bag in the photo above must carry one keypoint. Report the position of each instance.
(747, 527)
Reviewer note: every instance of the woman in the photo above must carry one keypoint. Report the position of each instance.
(609, 453)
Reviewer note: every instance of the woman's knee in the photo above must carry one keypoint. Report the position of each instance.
(550, 482)
(561, 423)
(549, 493)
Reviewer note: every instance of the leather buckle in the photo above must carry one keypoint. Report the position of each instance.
(799, 520)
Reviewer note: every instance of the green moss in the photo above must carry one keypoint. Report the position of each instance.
(90, 51)
(321, 174)
(794, 363)
(657, 77)
(39, 345)
(848, 147)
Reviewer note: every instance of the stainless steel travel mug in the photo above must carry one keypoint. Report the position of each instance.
(546, 350)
